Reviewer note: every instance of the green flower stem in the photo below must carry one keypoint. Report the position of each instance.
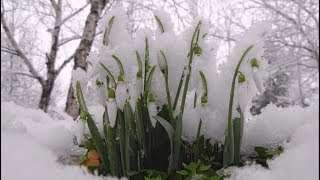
(159, 24)
(106, 34)
(204, 97)
(165, 72)
(141, 134)
(238, 132)
(110, 136)
(178, 130)
(197, 144)
(101, 148)
(169, 99)
(230, 135)
(179, 90)
(109, 73)
(146, 69)
(139, 73)
(195, 100)
(122, 137)
(128, 118)
(119, 64)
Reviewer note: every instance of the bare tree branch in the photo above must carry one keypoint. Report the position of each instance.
(19, 51)
(66, 40)
(65, 62)
(73, 14)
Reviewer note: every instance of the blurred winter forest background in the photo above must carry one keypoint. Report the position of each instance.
(43, 40)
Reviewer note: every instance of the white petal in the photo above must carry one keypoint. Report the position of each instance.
(121, 95)
(257, 79)
(102, 94)
(152, 108)
(243, 95)
(135, 89)
(112, 112)
(80, 130)
(81, 76)
(161, 61)
(139, 86)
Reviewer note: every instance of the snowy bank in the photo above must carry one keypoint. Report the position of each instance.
(32, 141)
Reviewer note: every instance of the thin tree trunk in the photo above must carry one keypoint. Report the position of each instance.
(72, 107)
(46, 93)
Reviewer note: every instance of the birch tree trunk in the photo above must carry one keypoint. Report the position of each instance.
(72, 108)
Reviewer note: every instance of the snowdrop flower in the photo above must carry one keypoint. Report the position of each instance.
(101, 90)
(135, 89)
(81, 76)
(152, 108)
(112, 107)
(256, 74)
(162, 62)
(242, 91)
(121, 94)
(80, 130)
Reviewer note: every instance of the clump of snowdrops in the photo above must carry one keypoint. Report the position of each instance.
(144, 95)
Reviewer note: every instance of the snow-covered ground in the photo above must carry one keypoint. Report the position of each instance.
(32, 141)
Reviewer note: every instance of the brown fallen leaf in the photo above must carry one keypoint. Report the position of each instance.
(93, 158)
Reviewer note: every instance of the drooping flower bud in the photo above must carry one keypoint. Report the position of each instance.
(112, 107)
(204, 97)
(152, 108)
(80, 130)
(243, 95)
(256, 74)
(242, 91)
(162, 62)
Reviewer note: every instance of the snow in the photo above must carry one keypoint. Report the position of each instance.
(31, 142)
(300, 159)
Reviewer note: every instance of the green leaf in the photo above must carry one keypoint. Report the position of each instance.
(141, 131)
(81, 159)
(276, 152)
(183, 172)
(238, 132)
(170, 131)
(132, 173)
(204, 167)
(122, 138)
(166, 125)
(128, 118)
(261, 151)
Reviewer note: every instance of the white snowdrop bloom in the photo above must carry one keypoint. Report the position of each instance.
(121, 94)
(152, 108)
(112, 111)
(244, 93)
(81, 124)
(81, 76)
(257, 79)
(135, 89)
(161, 61)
